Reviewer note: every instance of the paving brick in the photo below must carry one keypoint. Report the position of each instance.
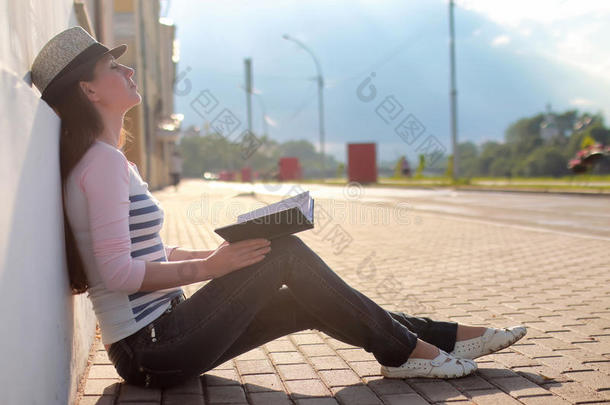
(492, 397)
(355, 354)
(438, 391)
(470, 383)
(592, 379)
(563, 363)
(307, 339)
(192, 386)
(519, 387)
(311, 388)
(316, 350)
(316, 401)
(365, 368)
(101, 357)
(227, 365)
(254, 354)
(328, 363)
(269, 398)
(254, 366)
(132, 393)
(512, 359)
(220, 377)
(334, 378)
(403, 399)
(544, 400)
(182, 399)
(278, 345)
(356, 395)
(388, 386)
(226, 394)
(494, 370)
(296, 371)
(532, 350)
(541, 374)
(287, 357)
(96, 400)
(338, 344)
(573, 392)
(262, 382)
(101, 387)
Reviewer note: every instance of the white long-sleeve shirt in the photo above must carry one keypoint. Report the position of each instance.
(116, 223)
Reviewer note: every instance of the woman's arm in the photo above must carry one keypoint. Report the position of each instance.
(225, 259)
(178, 254)
(161, 275)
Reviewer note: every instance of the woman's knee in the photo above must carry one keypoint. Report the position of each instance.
(287, 242)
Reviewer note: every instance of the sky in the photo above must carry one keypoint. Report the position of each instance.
(512, 59)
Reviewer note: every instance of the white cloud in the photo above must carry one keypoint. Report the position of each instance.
(516, 12)
(500, 40)
(581, 101)
(573, 33)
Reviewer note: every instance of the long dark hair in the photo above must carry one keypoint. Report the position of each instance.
(80, 125)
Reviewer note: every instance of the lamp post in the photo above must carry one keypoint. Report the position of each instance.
(264, 111)
(453, 96)
(320, 94)
(256, 93)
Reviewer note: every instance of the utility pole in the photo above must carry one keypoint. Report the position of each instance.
(248, 68)
(320, 80)
(453, 94)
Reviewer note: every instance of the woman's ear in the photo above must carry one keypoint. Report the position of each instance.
(88, 91)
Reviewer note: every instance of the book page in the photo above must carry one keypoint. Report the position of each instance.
(302, 201)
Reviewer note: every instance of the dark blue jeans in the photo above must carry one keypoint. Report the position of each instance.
(290, 290)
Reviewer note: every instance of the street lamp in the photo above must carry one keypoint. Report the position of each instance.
(320, 93)
(263, 109)
(257, 93)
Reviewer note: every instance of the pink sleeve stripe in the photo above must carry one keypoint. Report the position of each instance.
(105, 182)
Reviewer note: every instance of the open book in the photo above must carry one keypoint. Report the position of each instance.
(291, 215)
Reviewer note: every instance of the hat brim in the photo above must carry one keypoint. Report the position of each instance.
(74, 73)
(118, 51)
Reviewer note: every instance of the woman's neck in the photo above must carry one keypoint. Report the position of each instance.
(113, 124)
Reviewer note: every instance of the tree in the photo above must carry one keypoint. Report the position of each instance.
(524, 136)
(214, 152)
(449, 171)
(419, 172)
(468, 155)
(544, 161)
(501, 167)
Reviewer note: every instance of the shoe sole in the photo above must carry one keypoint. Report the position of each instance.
(401, 374)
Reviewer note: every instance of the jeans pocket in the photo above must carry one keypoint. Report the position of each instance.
(122, 357)
(162, 378)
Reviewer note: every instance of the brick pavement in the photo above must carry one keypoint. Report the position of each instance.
(449, 268)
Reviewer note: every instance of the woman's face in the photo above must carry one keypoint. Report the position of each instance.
(112, 87)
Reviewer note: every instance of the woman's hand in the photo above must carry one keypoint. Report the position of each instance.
(229, 257)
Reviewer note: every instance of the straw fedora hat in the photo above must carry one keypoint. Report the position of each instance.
(64, 58)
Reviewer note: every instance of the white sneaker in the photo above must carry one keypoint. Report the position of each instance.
(491, 341)
(442, 366)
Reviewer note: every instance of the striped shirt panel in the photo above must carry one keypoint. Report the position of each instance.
(145, 222)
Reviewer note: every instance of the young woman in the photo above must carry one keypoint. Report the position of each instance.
(258, 291)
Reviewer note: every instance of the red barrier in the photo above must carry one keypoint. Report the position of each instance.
(290, 168)
(226, 175)
(246, 174)
(362, 162)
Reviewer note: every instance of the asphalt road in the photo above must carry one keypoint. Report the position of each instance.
(588, 216)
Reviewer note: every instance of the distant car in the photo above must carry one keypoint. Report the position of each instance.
(210, 176)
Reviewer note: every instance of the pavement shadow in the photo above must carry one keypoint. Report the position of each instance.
(268, 389)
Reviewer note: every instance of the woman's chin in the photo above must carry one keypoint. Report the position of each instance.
(137, 99)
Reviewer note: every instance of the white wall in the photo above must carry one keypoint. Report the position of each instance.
(46, 333)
